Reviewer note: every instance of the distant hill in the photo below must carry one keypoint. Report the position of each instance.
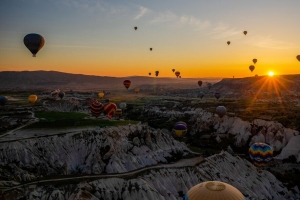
(27, 80)
(261, 83)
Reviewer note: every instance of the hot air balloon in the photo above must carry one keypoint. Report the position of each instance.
(96, 108)
(118, 112)
(179, 76)
(245, 32)
(136, 90)
(173, 70)
(123, 105)
(251, 67)
(298, 57)
(221, 111)
(150, 49)
(209, 85)
(54, 93)
(217, 95)
(213, 190)
(201, 95)
(61, 95)
(228, 42)
(3, 100)
(109, 109)
(149, 73)
(254, 60)
(156, 73)
(181, 122)
(260, 153)
(34, 42)
(177, 73)
(256, 75)
(127, 83)
(135, 28)
(32, 98)
(180, 130)
(199, 83)
(101, 95)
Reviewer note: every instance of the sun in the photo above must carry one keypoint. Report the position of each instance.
(271, 73)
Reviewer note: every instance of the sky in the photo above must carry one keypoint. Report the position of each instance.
(96, 37)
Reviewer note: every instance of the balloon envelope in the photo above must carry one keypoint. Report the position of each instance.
(221, 111)
(136, 90)
(254, 60)
(127, 83)
(180, 129)
(61, 95)
(123, 105)
(201, 95)
(32, 98)
(34, 42)
(298, 57)
(100, 94)
(251, 67)
(199, 83)
(109, 109)
(260, 153)
(3, 100)
(135, 28)
(228, 42)
(173, 70)
(217, 95)
(213, 190)
(118, 112)
(96, 108)
(245, 32)
(177, 73)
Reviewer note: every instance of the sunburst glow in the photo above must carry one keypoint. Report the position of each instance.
(271, 73)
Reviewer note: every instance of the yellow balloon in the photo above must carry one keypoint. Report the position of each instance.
(101, 95)
(136, 90)
(32, 98)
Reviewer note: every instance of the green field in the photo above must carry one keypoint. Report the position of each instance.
(61, 120)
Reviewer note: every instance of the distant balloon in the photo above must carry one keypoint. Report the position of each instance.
(217, 95)
(201, 95)
(34, 42)
(181, 122)
(127, 83)
(156, 73)
(109, 109)
(173, 70)
(136, 90)
(213, 190)
(209, 85)
(118, 112)
(298, 57)
(123, 105)
(3, 100)
(32, 98)
(251, 67)
(61, 95)
(135, 28)
(245, 32)
(101, 95)
(177, 73)
(221, 111)
(228, 42)
(180, 129)
(150, 49)
(260, 153)
(149, 73)
(179, 76)
(96, 108)
(54, 93)
(254, 60)
(199, 83)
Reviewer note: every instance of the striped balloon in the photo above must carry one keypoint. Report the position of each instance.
(96, 108)
(110, 109)
(127, 83)
(118, 112)
(260, 153)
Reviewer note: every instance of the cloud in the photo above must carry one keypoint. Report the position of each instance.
(163, 17)
(269, 42)
(194, 22)
(142, 12)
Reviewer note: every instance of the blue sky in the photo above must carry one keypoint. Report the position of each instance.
(183, 34)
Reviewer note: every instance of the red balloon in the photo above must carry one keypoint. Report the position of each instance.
(127, 83)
